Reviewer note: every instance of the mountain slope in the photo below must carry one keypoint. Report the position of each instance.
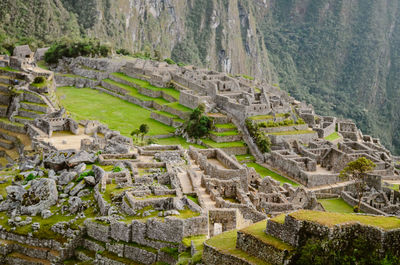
(341, 56)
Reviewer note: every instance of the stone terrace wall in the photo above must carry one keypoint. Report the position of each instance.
(296, 232)
(363, 207)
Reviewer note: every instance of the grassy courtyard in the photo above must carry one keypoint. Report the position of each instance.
(86, 103)
(332, 137)
(336, 205)
(263, 171)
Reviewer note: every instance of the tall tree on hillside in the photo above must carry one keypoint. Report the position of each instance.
(358, 170)
(144, 129)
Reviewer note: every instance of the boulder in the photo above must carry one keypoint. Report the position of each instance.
(41, 196)
(81, 157)
(75, 204)
(66, 178)
(90, 180)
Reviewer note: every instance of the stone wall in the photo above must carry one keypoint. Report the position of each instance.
(212, 256)
(304, 138)
(363, 207)
(285, 128)
(256, 247)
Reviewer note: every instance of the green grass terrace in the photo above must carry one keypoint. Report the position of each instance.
(332, 137)
(331, 219)
(118, 114)
(145, 84)
(337, 205)
(226, 243)
(263, 171)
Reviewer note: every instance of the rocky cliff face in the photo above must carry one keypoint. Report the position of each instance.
(341, 56)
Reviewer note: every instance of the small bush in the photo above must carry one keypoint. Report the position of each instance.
(123, 52)
(169, 61)
(260, 138)
(117, 169)
(29, 178)
(39, 80)
(73, 49)
(84, 174)
(198, 124)
(18, 178)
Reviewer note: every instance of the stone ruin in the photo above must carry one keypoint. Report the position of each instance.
(123, 203)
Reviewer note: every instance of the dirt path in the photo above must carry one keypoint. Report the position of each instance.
(186, 183)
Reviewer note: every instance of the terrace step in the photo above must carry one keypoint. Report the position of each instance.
(41, 253)
(15, 137)
(12, 126)
(3, 110)
(6, 144)
(29, 113)
(262, 246)
(85, 255)
(3, 87)
(23, 120)
(167, 118)
(21, 259)
(225, 127)
(225, 137)
(40, 107)
(4, 98)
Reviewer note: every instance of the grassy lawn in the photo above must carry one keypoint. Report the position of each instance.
(241, 158)
(332, 137)
(336, 205)
(86, 103)
(226, 243)
(263, 171)
(331, 219)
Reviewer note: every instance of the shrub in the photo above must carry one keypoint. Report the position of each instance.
(39, 80)
(84, 174)
(198, 124)
(30, 177)
(169, 61)
(116, 169)
(260, 138)
(72, 49)
(123, 51)
(18, 178)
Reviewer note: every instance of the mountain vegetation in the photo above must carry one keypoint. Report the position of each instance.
(343, 57)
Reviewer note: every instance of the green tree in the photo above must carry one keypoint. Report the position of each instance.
(144, 129)
(135, 134)
(358, 170)
(198, 124)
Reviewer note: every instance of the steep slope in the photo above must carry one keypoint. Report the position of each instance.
(341, 56)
